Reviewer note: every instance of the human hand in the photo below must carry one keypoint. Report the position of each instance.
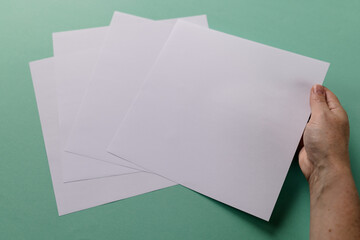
(324, 160)
(326, 136)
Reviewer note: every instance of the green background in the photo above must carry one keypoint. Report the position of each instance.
(325, 29)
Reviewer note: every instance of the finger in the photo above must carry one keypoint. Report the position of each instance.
(331, 99)
(304, 163)
(300, 146)
(302, 155)
(318, 102)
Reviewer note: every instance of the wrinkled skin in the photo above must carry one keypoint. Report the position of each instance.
(324, 161)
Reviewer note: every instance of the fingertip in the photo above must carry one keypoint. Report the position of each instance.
(318, 99)
(318, 90)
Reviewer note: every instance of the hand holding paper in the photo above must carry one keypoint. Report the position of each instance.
(228, 127)
(178, 103)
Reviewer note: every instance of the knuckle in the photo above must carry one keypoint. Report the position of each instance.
(319, 99)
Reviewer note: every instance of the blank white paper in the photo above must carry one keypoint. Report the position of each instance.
(81, 40)
(75, 196)
(221, 115)
(73, 72)
(75, 57)
(126, 58)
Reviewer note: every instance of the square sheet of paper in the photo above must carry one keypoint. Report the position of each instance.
(221, 115)
(73, 73)
(75, 57)
(75, 196)
(126, 58)
(81, 40)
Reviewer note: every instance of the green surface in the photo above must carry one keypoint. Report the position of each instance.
(323, 29)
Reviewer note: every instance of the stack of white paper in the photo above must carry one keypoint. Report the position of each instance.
(142, 105)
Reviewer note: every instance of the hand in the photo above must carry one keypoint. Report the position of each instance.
(324, 160)
(326, 136)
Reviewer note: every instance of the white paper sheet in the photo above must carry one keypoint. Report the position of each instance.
(125, 59)
(74, 41)
(75, 57)
(73, 74)
(71, 197)
(221, 115)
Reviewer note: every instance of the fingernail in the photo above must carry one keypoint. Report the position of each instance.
(319, 90)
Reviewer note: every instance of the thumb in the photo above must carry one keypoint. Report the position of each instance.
(318, 102)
